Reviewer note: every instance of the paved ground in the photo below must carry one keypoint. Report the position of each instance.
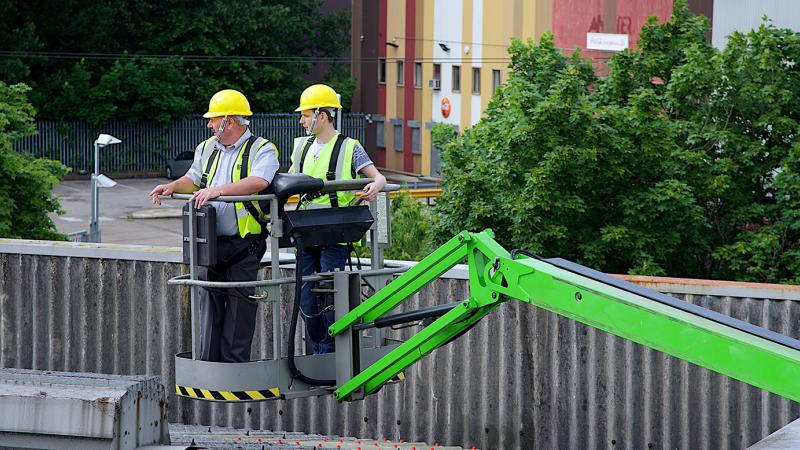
(127, 216)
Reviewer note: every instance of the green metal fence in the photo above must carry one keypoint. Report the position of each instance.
(146, 146)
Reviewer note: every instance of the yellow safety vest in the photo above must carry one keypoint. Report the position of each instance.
(247, 223)
(319, 168)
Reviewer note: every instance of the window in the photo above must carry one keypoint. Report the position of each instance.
(401, 79)
(456, 78)
(415, 137)
(476, 80)
(184, 156)
(380, 130)
(495, 80)
(418, 75)
(397, 131)
(436, 82)
(382, 71)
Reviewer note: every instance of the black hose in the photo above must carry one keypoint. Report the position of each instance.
(519, 251)
(298, 287)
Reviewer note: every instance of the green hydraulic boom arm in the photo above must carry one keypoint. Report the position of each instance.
(734, 348)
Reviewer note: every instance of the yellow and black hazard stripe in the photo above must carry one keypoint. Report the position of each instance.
(228, 396)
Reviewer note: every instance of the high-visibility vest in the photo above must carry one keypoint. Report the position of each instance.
(323, 168)
(249, 216)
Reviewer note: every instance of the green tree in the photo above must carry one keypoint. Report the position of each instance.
(26, 183)
(163, 60)
(682, 161)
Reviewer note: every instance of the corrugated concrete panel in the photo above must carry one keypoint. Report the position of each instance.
(523, 378)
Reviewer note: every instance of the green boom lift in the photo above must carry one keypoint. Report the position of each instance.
(734, 348)
(743, 351)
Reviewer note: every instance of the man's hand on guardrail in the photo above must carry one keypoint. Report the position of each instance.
(204, 195)
(161, 189)
(371, 191)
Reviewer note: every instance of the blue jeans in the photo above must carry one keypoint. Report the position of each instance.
(315, 260)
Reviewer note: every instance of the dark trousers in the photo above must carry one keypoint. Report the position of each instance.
(228, 315)
(320, 259)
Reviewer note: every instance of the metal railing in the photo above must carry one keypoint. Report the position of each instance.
(378, 266)
(146, 146)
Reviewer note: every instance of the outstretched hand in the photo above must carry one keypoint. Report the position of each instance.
(161, 189)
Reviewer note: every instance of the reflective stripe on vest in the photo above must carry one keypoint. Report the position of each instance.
(246, 223)
(319, 168)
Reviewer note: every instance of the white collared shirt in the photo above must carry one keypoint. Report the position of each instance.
(265, 164)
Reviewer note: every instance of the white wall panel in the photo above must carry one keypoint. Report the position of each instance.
(745, 15)
(447, 29)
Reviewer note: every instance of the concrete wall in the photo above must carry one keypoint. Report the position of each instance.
(523, 378)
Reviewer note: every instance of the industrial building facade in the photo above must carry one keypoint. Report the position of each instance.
(418, 62)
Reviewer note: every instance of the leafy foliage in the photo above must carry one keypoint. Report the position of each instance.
(410, 228)
(683, 161)
(26, 183)
(217, 41)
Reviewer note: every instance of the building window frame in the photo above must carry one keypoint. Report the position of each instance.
(380, 130)
(397, 134)
(456, 86)
(418, 75)
(401, 75)
(496, 80)
(416, 137)
(476, 80)
(382, 71)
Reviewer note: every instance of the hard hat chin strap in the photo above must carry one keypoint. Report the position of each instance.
(222, 127)
(310, 130)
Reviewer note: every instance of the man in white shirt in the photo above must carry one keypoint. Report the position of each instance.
(232, 162)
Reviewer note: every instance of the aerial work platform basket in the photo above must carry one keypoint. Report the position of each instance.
(275, 378)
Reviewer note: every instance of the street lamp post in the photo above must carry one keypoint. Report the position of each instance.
(99, 180)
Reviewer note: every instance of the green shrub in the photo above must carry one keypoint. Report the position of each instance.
(26, 183)
(411, 228)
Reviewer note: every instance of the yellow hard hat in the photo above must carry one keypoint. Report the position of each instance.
(228, 102)
(318, 96)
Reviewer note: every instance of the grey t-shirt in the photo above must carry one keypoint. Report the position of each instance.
(265, 164)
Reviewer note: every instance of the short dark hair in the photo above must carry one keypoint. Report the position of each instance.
(330, 112)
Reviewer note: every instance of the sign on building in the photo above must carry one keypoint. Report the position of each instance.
(606, 41)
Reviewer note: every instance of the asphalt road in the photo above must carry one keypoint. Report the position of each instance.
(127, 216)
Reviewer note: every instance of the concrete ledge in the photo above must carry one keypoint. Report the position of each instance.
(81, 410)
(717, 288)
(666, 285)
(786, 438)
(91, 250)
(157, 213)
